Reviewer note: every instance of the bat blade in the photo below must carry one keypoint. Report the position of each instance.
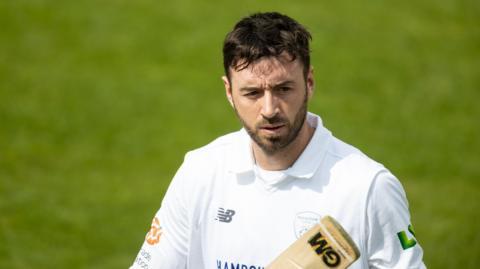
(326, 245)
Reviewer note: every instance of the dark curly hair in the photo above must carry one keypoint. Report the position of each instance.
(263, 35)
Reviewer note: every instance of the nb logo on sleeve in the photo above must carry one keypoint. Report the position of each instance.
(225, 215)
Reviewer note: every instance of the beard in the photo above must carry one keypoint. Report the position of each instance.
(272, 144)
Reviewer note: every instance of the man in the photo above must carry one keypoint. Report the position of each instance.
(242, 199)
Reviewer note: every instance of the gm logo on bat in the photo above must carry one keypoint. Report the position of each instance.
(329, 256)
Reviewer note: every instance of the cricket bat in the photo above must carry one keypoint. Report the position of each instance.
(326, 245)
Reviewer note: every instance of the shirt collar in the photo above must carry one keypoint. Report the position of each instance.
(243, 160)
(312, 156)
(304, 167)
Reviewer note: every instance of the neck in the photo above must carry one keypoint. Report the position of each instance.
(286, 157)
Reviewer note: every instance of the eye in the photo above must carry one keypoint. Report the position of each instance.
(284, 89)
(251, 94)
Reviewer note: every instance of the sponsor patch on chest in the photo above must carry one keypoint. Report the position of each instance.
(304, 221)
(236, 265)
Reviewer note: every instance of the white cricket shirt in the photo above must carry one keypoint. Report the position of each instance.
(223, 212)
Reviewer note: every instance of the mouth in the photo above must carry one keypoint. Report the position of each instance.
(272, 128)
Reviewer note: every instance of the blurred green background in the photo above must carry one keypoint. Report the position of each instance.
(100, 100)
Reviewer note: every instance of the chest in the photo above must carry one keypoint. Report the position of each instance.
(248, 226)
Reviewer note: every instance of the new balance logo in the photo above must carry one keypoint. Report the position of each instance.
(225, 215)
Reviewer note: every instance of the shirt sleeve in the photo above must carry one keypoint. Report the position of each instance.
(166, 243)
(391, 238)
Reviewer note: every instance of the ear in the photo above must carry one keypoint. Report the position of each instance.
(228, 89)
(310, 82)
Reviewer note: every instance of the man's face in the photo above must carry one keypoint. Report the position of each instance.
(270, 98)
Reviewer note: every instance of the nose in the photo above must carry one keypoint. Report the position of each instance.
(270, 105)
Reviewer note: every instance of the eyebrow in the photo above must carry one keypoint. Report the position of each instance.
(284, 83)
(254, 88)
(248, 89)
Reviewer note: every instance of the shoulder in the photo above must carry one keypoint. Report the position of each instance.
(366, 180)
(215, 149)
(195, 179)
(205, 163)
(346, 159)
(387, 197)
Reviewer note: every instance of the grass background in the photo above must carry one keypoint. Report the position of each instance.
(100, 100)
